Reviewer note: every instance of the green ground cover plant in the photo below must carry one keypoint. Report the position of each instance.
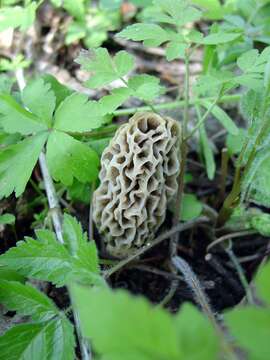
(37, 127)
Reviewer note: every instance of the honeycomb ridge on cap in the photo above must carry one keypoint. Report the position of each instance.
(138, 177)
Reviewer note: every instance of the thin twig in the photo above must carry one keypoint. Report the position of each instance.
(57, 221)
(202, 299)
(176, 229)
(230, 236)
(241, 273)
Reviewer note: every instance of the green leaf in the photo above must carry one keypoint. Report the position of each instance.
(17, 163)
(18, 16)
(50, 340)
(110, 4)
(6, 274)
(48, 260)
(103, 68)
(247, 60)
(222, 117)
(145, 87)
(75, 8)
(145, 32)
(7, 219)
(250, 328)
(76, 31)
(175, 50)
(207, 152)
(77, 114)
(256, 182)
(191, 207)
(262, 281)
(68, 158)
(235, 143)
(43, 259)
(38, 97)
(180, 12)
(60, 91)
(85, 251)
(16, 119)
(118, 96)
(261, 223)
(106, 318)
(196, 335)
(220, 38)
(26, 300)
(6, 83)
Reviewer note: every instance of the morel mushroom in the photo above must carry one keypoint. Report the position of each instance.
(138, 177)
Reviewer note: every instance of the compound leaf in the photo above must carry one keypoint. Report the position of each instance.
(14, 118)
(80, 247)
(103, 68)
(69, 158)
(145, 32)
(77, 114)
(26, 300)
(145, 87)
(48, 340)
(38, 97)
(17, 162)
(43, 259)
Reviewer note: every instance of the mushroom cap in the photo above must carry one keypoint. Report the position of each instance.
(138, 177)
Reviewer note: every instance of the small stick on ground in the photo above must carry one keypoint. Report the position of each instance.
(166, 235)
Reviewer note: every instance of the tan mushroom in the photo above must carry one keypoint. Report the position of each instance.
(138, 177)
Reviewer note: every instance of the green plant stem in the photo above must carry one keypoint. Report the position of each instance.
(240, 273)
(178, 104)
(204, 117)
(57, 221)
(233, 198)
(183, 159)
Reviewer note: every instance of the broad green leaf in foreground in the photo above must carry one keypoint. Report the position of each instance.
(77, 114)
(49, 340)
(38, 97)
(17, 162)
(196, 335)
(251, 331)
(103, 68)
(262, 282)
(14, 118)
(26, 300)
(119, 324)
(69, 158)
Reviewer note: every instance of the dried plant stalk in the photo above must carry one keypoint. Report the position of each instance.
(138, 177)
